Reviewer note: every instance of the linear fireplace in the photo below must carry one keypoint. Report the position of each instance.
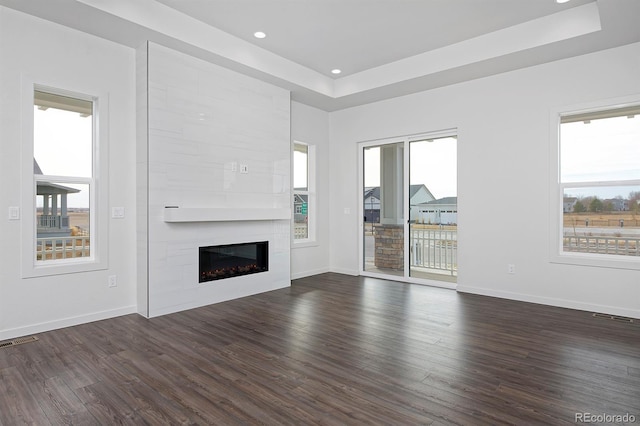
(232, 260)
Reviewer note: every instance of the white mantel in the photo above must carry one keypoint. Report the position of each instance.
(203, 214)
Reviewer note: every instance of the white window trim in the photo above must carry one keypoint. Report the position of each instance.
(310, 241)
(556, 190)
(98, 260)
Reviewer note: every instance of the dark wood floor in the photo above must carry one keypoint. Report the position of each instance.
(332, 349)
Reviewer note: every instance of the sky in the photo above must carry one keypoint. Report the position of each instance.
(63, 147)
(601, 150)
(299, 169)
(433, 164)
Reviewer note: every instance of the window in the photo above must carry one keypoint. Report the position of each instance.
(303, 193)
(65, 170)
(63, 174)
(599, 186)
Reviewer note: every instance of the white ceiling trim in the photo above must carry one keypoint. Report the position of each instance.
(180, 27)
(162, 19)
(560, 26)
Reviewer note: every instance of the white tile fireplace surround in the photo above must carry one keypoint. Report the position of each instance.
(216, 152)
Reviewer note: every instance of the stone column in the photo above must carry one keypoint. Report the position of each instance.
(389, 247)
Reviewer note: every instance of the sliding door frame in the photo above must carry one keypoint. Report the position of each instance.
(405, 140)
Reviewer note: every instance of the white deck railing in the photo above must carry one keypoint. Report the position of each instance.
(52, 248)
(434, 249)
(603, 245)
(300, 231)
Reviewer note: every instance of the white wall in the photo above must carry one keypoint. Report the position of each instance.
(311, 125)
(202, 120)
(33, 49)
(503, 153)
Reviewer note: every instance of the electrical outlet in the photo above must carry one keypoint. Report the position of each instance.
(244, 168)
(511, 268)
(113, 281)
(14, 213)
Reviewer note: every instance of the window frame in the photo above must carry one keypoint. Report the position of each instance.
(98, 195)
(557, 187)
(311, 197)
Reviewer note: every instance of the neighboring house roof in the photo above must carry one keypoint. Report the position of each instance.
(36, 168)
(48, 188)
(372, 192)
(445, 200)
(413, 190)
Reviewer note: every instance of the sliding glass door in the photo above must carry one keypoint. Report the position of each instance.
(433, 206)
(409, 208)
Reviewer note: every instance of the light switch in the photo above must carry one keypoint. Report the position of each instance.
(117, 212)
(244, 168)
(14, 213)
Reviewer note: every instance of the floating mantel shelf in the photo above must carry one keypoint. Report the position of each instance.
(202, 214)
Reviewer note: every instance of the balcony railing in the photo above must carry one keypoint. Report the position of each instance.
(434, 249)
(47, 221)
(624, 246)
(54, 248)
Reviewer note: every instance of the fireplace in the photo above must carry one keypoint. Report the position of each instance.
(233, 260)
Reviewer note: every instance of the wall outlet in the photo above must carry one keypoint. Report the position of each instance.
(113, 281)
(511, 268)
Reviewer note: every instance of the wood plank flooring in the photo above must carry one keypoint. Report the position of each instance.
(334, 350)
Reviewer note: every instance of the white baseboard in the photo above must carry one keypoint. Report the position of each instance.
(550, 301)
(65, 322)
(219, 298)
(352, 272)
(304, 274)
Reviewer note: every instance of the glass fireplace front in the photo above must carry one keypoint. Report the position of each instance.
(232, 260)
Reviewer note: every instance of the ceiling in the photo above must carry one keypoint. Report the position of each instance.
(355, 35)
(385, 48)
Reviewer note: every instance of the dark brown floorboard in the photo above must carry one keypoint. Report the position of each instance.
(334, 350)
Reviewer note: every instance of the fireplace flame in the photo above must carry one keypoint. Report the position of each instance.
(234, 271)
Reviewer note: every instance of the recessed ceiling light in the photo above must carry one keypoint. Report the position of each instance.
(259, 34)
(336, 71)
(562, 1)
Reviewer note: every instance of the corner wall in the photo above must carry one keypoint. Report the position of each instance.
(311, 125)
(503, 176)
